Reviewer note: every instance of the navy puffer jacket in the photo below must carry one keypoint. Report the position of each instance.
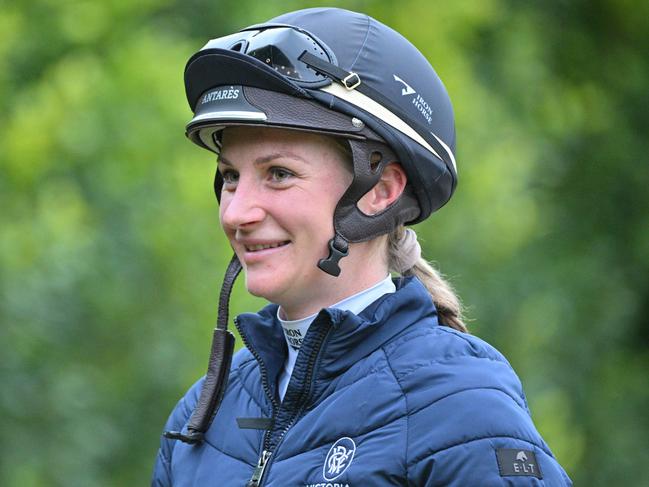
(386, 398)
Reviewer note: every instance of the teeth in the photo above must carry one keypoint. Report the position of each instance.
(254, 248)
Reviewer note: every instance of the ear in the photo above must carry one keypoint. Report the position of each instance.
(386, 191)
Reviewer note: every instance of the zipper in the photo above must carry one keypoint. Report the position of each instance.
(268, 447)
(258, 473)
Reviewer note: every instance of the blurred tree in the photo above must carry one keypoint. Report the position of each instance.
(111, 256)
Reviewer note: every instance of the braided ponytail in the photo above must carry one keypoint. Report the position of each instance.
(404, 257)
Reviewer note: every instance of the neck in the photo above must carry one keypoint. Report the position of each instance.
(360, 270)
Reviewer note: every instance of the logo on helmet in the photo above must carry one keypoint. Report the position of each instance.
(418, 101)
(339, 458)
(221, 94)
(407, 90)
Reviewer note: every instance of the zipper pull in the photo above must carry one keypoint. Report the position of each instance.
(258, 473)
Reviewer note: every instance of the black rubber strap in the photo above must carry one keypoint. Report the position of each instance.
(349, 79)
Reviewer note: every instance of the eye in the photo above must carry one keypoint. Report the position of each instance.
(230, 177)
(279, 174)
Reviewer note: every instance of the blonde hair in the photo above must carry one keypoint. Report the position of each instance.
(404, 257)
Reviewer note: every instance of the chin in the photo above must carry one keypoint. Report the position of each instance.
(263, 287)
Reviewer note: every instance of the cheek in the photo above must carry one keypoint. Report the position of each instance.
(223, 206)
(323, 202)
(335, 191)
(338, 182)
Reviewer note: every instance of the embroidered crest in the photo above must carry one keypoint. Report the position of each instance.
(339, 458)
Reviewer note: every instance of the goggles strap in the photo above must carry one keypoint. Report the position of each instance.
(348, 79)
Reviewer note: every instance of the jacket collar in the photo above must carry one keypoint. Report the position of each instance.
(351, 338)
(355, 337)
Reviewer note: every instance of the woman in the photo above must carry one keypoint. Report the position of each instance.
(332, 133)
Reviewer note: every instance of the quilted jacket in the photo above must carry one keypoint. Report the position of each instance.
(385, 398)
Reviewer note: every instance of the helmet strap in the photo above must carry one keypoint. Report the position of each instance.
(218, 368)
(352, 225)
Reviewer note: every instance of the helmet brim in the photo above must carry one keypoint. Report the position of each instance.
(231, 105)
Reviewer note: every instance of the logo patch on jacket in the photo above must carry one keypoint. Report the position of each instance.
(338, 459)
(517, 462)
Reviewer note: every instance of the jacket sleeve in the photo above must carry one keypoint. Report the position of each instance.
(468, 420)
(476, 463)
(488, 440)
(162, 476)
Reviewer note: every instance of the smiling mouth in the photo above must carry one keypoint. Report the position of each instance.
(258, 247)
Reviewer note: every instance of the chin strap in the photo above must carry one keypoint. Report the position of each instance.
(218, 368)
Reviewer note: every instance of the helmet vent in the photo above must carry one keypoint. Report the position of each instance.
(239, 46)
(375, 161)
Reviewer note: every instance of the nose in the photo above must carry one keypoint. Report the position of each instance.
(241, 207)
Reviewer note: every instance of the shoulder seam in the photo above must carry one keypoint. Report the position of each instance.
(448, 358)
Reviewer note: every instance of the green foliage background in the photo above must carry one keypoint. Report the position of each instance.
(111, 255)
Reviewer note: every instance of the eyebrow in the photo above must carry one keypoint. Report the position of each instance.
(266, 159)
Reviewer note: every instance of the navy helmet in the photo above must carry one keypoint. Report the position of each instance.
(341, 73)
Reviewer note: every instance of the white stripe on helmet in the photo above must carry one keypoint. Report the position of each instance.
(364, 102)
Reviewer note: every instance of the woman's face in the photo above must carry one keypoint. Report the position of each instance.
(277, 203)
